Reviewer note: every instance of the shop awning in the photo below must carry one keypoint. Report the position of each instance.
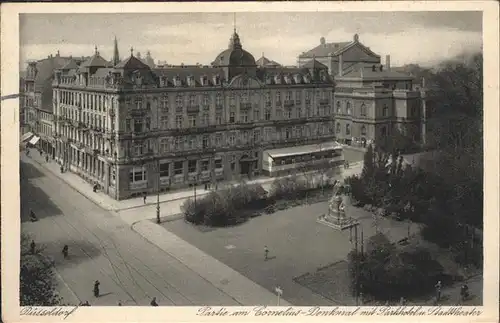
(34, 140)
(26, 136)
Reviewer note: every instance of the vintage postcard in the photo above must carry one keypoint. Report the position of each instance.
(250, 161)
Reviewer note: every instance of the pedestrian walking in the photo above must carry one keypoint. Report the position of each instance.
(96, 288)
(266, 253)
(402, 301)
(46, 158)
(144, 198)
(119, 303)
(464, 292)
(438, 287)
(65, 251)
(33, 217)
(153, 302)
(32, 247)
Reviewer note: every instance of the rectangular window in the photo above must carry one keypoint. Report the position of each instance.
(192, 120)
(164, 122)
(164, 169)
(268, 114)
(218, 118)
(177, 143)
(138, 149)
(192, 143)
(178, 168)
(218, 99)
(192, 166)
(205, 141)
(163, 145)
(204, 165)
(137, 175)
(256, 114)
(244, 116)
(231, 139)
(218, 163)
(218, 140)
(206, 99)
(179, 100)
(178, 122)
(128, 125)
(256, 136)
(205, 120)
(231, 117)
(164, 103)
(278, 96)
(192, 100)
(137, 125)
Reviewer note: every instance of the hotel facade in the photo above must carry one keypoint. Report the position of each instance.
(135, 129)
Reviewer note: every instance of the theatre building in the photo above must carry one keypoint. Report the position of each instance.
(135, 129)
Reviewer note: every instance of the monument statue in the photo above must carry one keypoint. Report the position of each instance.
(338, 208)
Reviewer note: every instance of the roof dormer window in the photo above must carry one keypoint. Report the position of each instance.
(190, 80)
(177, 81)
(307, 78)
(288, 79)
(277, 79)
(269, 79)
(216, 80)
(297, 78)
(204, 80)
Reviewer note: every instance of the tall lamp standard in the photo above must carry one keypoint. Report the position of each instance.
(158, 220)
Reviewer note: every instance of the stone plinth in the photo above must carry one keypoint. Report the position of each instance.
(338, 206)
(337, 223)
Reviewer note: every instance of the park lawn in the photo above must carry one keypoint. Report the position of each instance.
(297, 245)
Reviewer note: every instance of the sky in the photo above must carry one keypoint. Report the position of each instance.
(424, 38)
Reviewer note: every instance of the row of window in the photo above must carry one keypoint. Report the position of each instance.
(90, 101)
(289, 160)
(363, 132)
(139, 174)
(245, 97)
(85, 138)
(232, 138)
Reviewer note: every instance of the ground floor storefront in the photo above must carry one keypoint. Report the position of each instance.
(127, 178)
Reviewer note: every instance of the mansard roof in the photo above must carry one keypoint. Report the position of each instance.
(369, 73)
(313, 63)
(132, 63)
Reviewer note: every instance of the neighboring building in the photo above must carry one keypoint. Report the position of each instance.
(135, 130)
(265, 62)
(148, 60)
(36, 101)
(373, 102)
(353, 54)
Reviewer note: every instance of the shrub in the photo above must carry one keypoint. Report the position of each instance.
(225, 207)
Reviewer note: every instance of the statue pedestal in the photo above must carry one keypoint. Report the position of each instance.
(337, 206)
(337, 221)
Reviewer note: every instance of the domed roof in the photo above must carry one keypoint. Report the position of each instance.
(235, 55)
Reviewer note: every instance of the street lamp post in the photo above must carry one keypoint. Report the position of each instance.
(158, 220)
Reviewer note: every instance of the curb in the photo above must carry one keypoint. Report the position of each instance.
(107, 208)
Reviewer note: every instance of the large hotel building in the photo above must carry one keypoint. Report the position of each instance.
(135, 129)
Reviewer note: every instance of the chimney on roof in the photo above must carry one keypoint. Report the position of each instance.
(57, 54)
(341, 65)
(388, 62)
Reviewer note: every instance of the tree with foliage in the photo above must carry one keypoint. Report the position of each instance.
(387, 272)
(37, 278)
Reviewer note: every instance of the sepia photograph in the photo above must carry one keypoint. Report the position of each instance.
(331, 160)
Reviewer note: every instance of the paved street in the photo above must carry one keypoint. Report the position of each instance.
(104, 247)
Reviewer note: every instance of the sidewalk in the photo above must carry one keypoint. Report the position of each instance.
(229, 281)
(110, 204)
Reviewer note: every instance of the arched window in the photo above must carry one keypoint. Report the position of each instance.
(363, 110)
(338, 127)
(363, 130)
(348, 108)
(348, 129)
